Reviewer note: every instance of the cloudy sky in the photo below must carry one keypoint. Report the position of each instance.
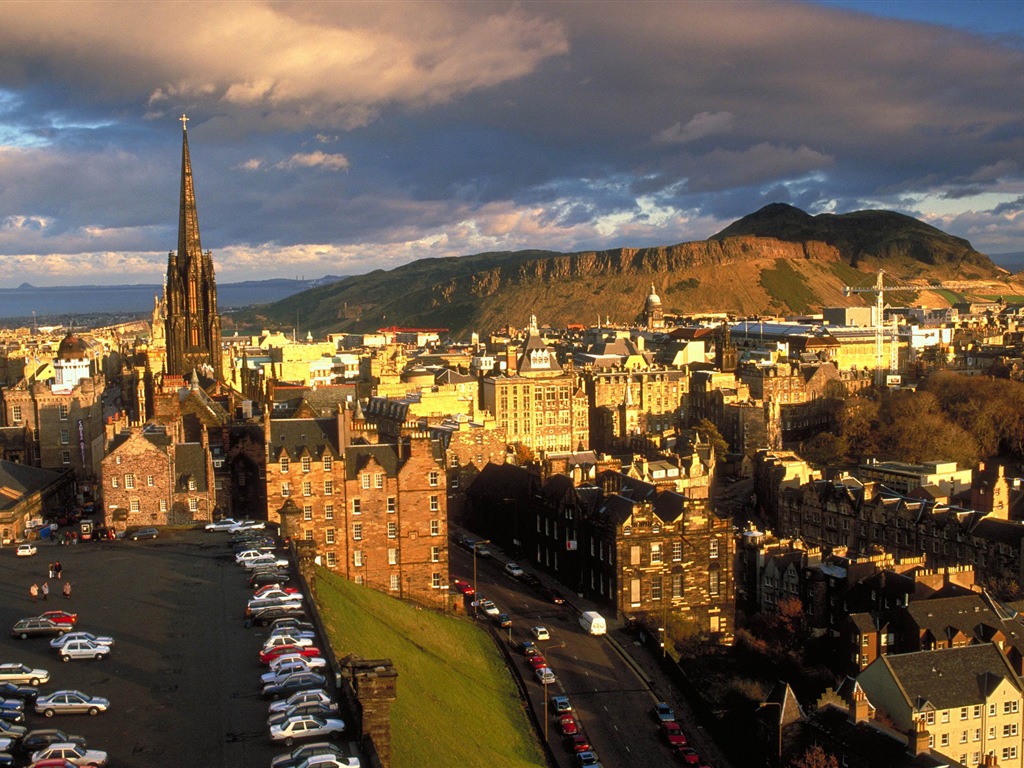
(342, 137)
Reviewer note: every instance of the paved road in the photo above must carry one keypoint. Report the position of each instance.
(613, 702)
(183, 677)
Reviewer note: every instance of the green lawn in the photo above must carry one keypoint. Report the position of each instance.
(456, 703)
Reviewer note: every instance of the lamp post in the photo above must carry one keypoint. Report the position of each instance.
(476, 602)
(762, 705)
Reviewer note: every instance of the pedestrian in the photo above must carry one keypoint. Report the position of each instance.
(34, 591)
(67, 590)
(51, 570)
(46, 589)
(58, 569)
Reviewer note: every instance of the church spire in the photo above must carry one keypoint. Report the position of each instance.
(188, 220)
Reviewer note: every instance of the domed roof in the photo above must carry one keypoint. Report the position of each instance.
(654, 300)
(72, 347)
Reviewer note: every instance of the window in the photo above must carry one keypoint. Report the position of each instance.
(192, 484)
(65, 437)
(963, 737)
(433, 478)
(1009, 753)
(285, 490)
(129, 482)
(357, 531)
(945, 715)
(992, 709)
(677, 585)
(308, 535)
(133, 505)
(305, 463)
(435, 505)
(65, 457)
(283, 464)
(364, 480)
(977, 711)
(378, 480)
(332, 559)
(307, 488)
(713, 578)
(963, 713)
(163, 505)
(357, 506)
(357, 558)
(62, 412)
(193, 504)
(328, 487)
(977, 734)
(15, 413)
(391, 504)
(655, 554)
(1010, 729)
(328, 463)
(307, 512)
(656, 587)
(677, 551)
(150, 481)
(392, 530)
(435, 580)
(115, 482)
(454, 482)
(991, 732)
(328, 511)
(118, 461)
(394, 582)
(329, 536)
(713, 549)
(930, 718)
(392, 556)
(1011, 706)
(435, 527)
(435, 554)
(944, 740)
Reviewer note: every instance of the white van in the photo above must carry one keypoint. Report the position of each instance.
(593, 622)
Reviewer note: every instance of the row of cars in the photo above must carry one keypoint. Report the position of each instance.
(672, 734)
(20, 696)
(295, 682)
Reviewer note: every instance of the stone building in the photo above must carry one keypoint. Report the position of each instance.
(29, 493)
(151, 479)
(626, 405)
(375, 512)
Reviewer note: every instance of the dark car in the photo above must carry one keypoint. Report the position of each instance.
(554, 596)
(15, 691)
(527, 648)
(314, 708)
(11, 707)
(502, 620)
(530, 580)
(300, 681)
(273, 577)
(299, 755)
(44, 737)
(9, 730)
(35, 627)
(144, 533)
(9, 717)
(272, 613)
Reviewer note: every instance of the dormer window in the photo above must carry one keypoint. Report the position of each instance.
(284, 464)
(305, 463)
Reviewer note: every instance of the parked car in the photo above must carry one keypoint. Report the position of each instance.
(502, 620)
(546, 676)
(307, 651)
(14, 691)
(560, 705)
(278, 641)
(248, 525)
(75, 754)
(295, 758)
(672, 734)
(530, 580)
(13, 672)
(144, 533)
(306, 727)
(83, 649)
(318, 696)
(536, 662)
(9, 730)
(587, 758)
(464, 587)
(689, 756)
(287, 668)
(296, 625)
(267, 614)
(269, 589)
(540, 633)
(577, 743)
(57, 642)
(265, 558)
(60, 617)
(70, 703)
(569, 724)
(221, 525)
(273, 576)
(487, 606)
(512, 569)
(309, 662)
(527, 648)
(301, 681)
(26, 628)
(663, 713)
(44, 737)
(554, 596)
(12, 710)
(312, 708)
(26, 550)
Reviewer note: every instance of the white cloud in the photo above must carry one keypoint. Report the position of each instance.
(330, 162)
(703, 124)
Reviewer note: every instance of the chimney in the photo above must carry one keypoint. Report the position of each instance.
(917, 742)
(859, 708)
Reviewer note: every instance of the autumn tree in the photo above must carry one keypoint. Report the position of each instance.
(815, 757)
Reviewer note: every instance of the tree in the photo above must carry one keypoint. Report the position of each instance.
(708, 431)
(815, 757)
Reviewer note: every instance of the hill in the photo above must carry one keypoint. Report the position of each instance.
(778, 260)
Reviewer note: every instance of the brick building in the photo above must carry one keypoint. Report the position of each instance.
(624, 404)
(375, 512)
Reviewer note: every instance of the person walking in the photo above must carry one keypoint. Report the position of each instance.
(67, 590)
(51, 570)
(34, 592)
(58, 569)
(46, 589)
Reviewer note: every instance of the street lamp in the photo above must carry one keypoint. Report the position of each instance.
(476, 603)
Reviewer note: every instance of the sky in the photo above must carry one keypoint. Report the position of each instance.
(343, 137)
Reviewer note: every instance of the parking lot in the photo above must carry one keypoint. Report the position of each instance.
(183, 676)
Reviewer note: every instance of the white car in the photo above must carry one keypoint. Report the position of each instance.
(320, 697)
(279, 640)
(266, 601)
(73, 753)
(22, 674)
(26, 550)
(545, 676)
(488, 607)
(265, 559)
(57, 642)
(247, 525)
(83, 649)
(296, 631)
(285, 669)
(222, 525)
(513, 569)
(540, 633)
(306, 727)
(310, 662)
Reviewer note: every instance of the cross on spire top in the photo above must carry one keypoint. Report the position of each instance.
(184, 119)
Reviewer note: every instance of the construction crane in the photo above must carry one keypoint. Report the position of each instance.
(879, 289)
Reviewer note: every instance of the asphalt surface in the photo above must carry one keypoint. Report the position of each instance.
(183, 675)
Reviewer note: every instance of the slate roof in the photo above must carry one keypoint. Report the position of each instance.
(669, 506)
(12, 438)
(962, 613)
(20, 480)
(951, 677)
(357, 457)
(500, 481)
(190, 462)
(297, 436)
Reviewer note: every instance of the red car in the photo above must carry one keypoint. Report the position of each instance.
(570, 725)
(308, 651)
(464, 587)
(537, 661)
(673, 734)
(267, 587)
(689, 756)
(578, 743)
(60, 617)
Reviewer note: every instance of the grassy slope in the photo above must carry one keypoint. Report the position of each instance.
(456, 703)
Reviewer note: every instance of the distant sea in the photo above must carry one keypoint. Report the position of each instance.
(57, 304)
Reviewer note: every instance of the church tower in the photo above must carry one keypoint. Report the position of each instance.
(192, 323)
